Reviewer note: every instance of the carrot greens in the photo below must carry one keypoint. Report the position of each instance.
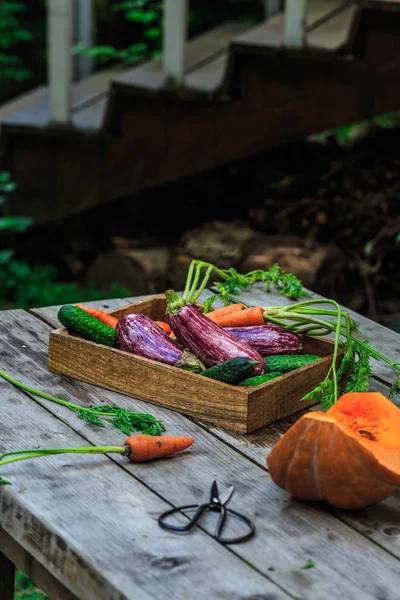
(317, 317)
(122, 418)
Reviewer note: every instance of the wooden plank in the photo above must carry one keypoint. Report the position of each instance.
(7, 576)
(278, 520)
(59, 40)
(332, 35)
(176, 14)
(90, 96)
(94, 525)
(23, 102)
(209, 77)
(31, 567)
(198, 51)
(271, 33)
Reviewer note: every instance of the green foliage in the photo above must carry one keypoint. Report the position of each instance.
(12, 33)
(23, 286)
(146, 18)
(25, 589)
(349, 134)
(145, 14)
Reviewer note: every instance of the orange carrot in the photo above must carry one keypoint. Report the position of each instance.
(164, 326)
(244, 318)
(148, 447)
(137, 448)
(225, 310)
(100, 315)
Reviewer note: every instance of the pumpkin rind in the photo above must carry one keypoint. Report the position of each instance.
(322, 458)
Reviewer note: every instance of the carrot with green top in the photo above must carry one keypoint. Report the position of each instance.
(220, 313)
(100, 315)
(137, 448)
(243, 318)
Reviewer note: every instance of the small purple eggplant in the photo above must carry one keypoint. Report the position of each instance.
(212, 344)
(142, 336)
(268, 339)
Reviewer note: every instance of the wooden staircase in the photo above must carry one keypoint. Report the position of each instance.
(244, 92)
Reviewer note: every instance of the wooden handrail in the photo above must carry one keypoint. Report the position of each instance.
(295, 23)
(59, 62)
(174, 40)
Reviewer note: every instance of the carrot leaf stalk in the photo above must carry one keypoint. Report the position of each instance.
(310, 317)
(137, 448)
(286, 284)
(123, 419)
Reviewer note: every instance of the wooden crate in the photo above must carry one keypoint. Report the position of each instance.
(242, 409)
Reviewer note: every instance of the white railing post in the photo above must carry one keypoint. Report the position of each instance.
(295, 19)
(174, 40)
(271, 8)
(83, 34)
(59, 67)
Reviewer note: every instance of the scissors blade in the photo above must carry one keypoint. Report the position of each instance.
(214, 492)
(226, 495)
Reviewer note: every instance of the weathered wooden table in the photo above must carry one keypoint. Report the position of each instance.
(86, 526)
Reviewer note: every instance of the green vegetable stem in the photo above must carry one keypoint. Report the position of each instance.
(123, 419)
(317, 317)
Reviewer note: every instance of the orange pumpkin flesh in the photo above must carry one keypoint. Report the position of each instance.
(348, 456)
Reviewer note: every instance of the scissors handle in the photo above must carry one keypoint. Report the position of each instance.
(162, 522)
(221, 522)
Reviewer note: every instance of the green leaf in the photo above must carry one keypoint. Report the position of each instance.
(4, 177)
(153, 33)
(309, 565)
(140, 16)
(6, 256)
(4, 481)
(8, 187)
(15, 223)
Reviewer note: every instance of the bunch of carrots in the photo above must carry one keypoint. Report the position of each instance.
(234, 315)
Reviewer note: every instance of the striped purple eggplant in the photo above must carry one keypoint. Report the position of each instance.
(268, 339)
(209, 342)
(142, 336)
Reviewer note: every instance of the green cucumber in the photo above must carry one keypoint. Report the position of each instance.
(261, 378)
(232, 371)
(80, 322)
(288, 362)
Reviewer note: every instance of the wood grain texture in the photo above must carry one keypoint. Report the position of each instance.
(43, 579)
(270, 33)
(288, 532)
(239, 408)
(94, 525)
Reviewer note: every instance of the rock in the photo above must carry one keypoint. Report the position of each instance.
(308, 261)
(217, 242)
(141, 271)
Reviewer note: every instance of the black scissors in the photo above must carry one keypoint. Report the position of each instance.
(217, 503)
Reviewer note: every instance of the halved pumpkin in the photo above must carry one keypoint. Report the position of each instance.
(348, 456)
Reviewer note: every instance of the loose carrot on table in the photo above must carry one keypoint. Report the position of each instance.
(225, 310)
(244, 318)
(148, 447)
(137, 448)
(100, 315)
